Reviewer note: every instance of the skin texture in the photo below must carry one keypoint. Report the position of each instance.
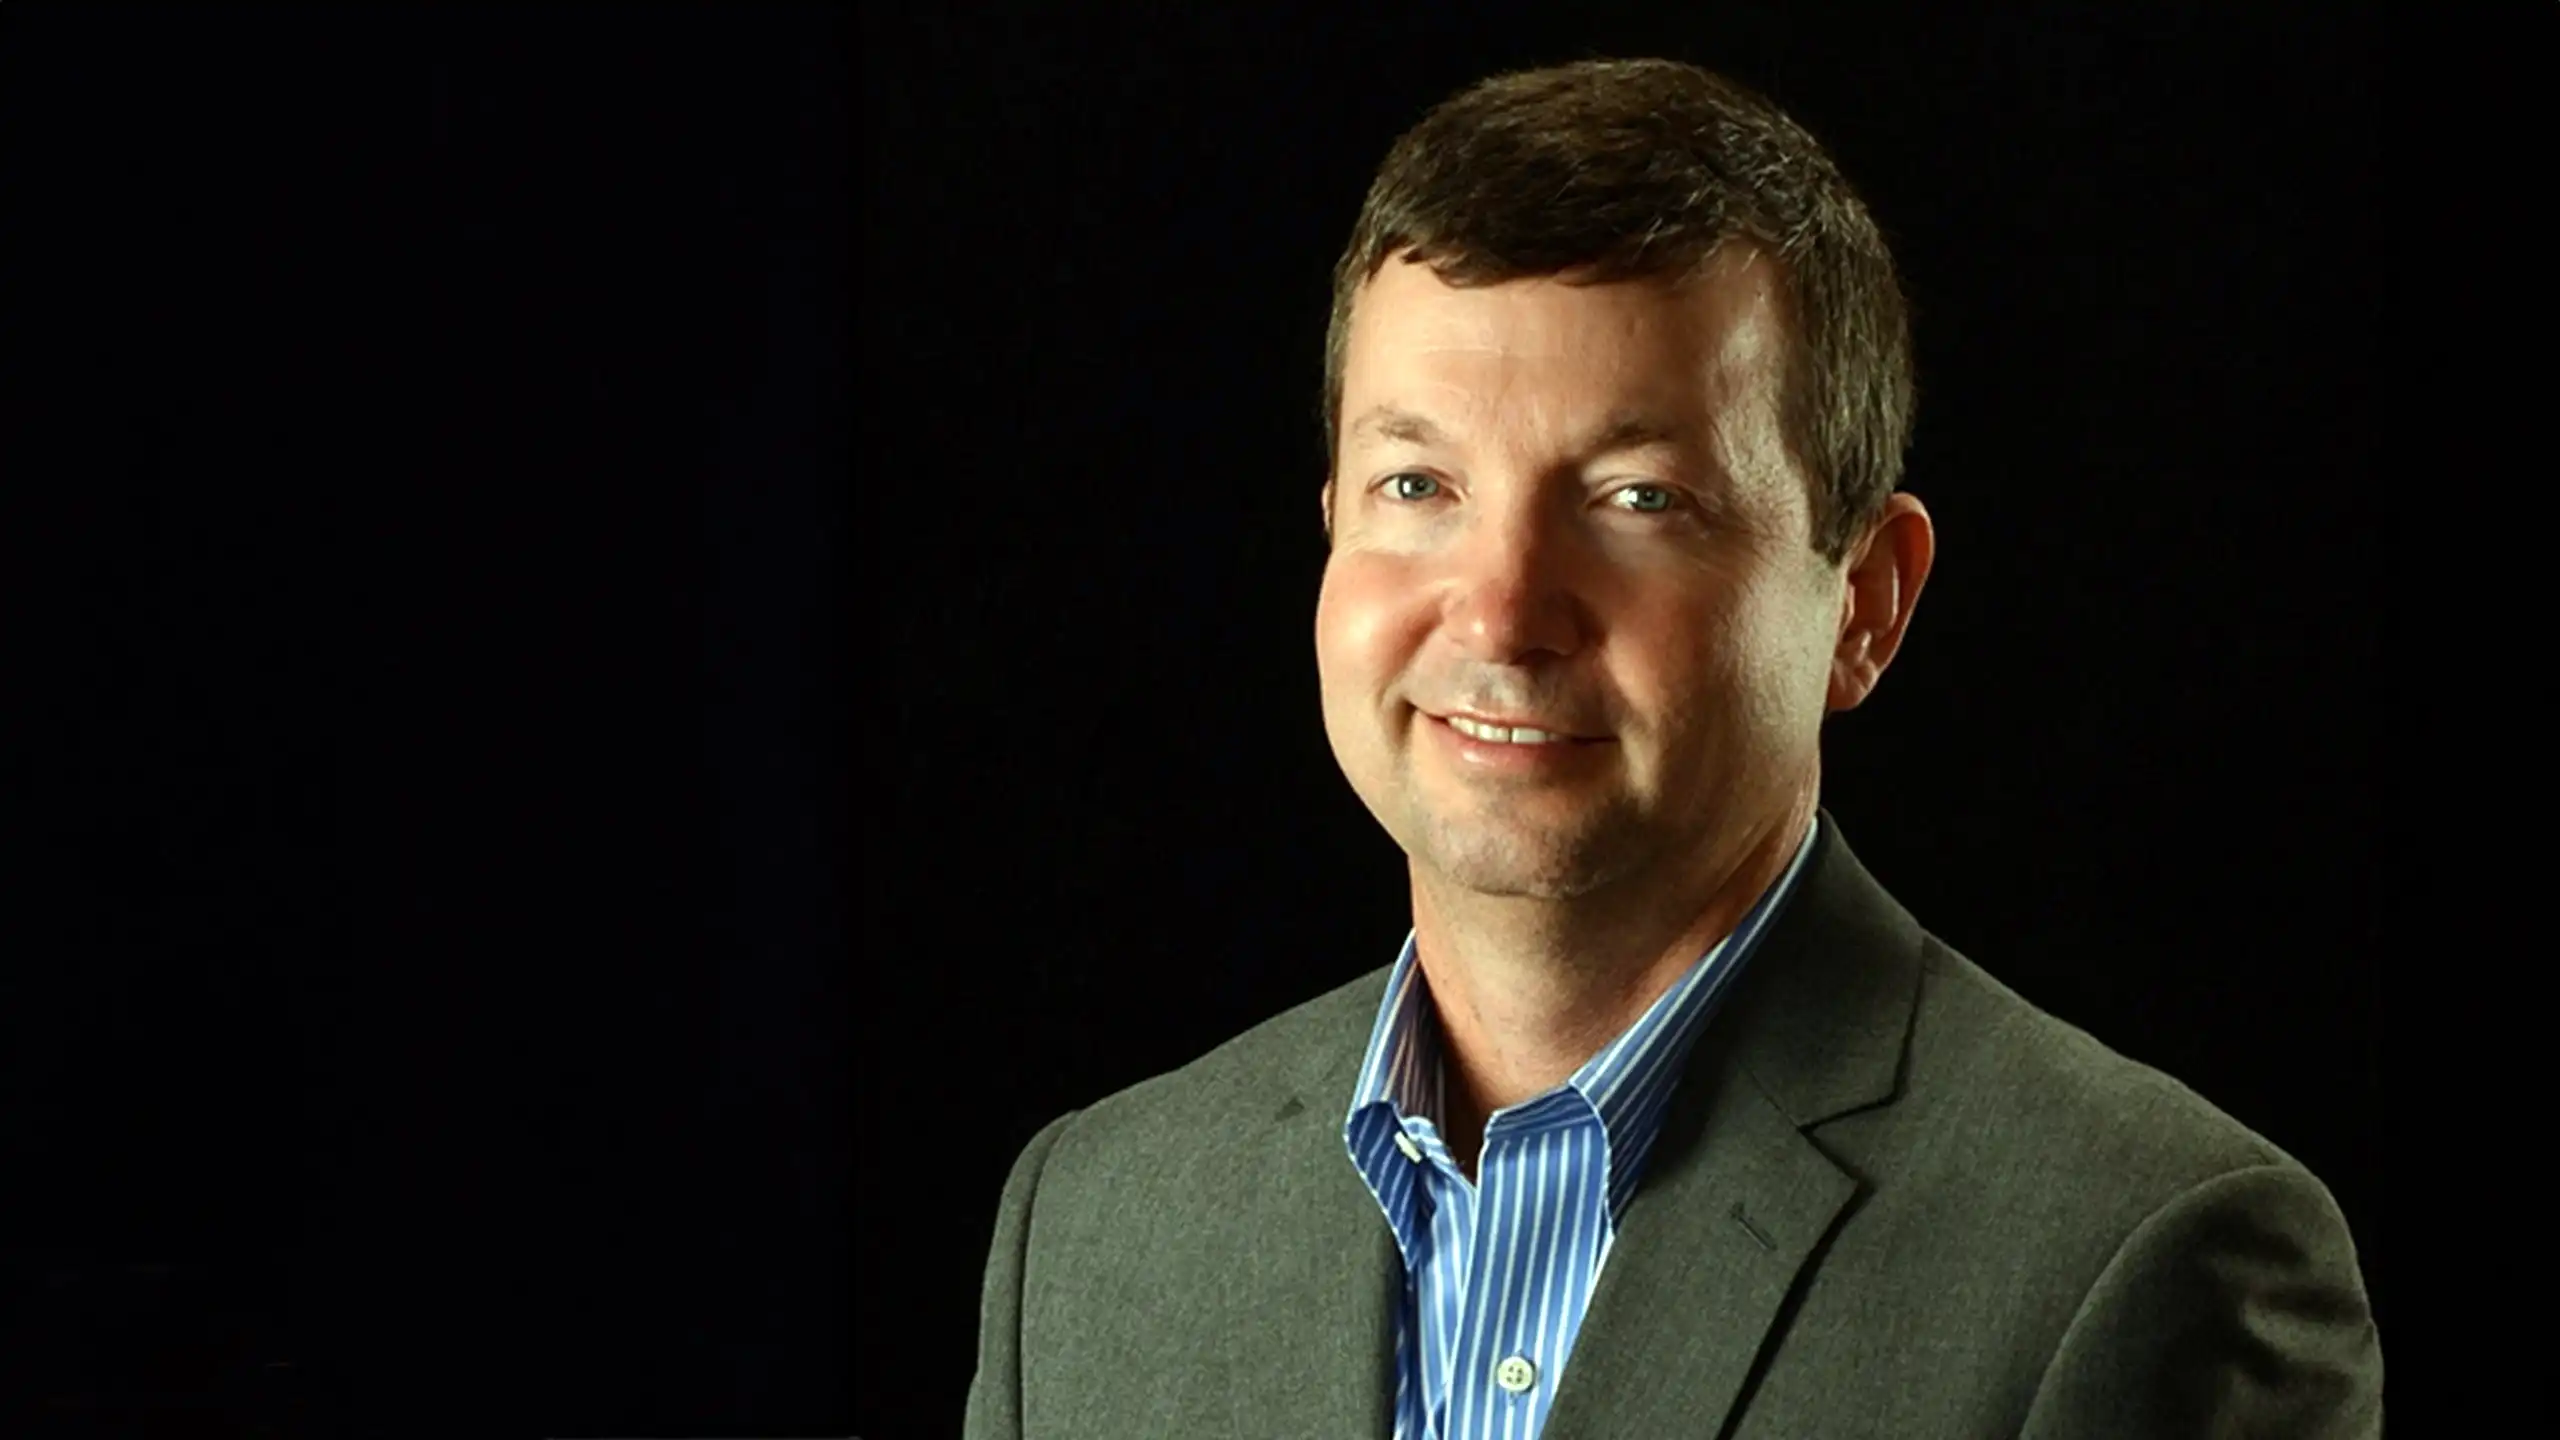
(1573, 504)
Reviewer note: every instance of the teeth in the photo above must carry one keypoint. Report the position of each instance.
(1501, 735)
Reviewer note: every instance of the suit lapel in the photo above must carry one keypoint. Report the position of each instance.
(1314, 1352)
(1737, 1204)
(1700, 1270)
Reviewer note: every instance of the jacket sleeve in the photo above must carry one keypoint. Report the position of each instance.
(2235, 1309)
(995, 1392)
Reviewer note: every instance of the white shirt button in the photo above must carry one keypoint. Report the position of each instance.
(1411, 1151)
(1515, 1374)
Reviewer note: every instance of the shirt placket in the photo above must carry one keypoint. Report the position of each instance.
(1489, 1307)
(1452, 1228)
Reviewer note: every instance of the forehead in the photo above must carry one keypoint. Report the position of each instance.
(1474, 353)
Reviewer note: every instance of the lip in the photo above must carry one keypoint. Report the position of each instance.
(1518, 724)
(1489, 758)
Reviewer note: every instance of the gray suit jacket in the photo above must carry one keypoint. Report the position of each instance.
(1890, 1198)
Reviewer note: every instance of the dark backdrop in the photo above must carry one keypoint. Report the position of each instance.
(2125, 760)
(427, 977)
(426, 998)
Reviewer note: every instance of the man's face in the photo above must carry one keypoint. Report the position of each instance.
(1571, 506)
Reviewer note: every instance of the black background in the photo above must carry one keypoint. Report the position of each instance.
(428, 960)
(436, 650)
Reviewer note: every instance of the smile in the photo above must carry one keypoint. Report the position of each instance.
(1500, 735)
(1518, 752)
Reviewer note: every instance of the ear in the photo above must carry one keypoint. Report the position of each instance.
(1885, 571)
(1327, 498)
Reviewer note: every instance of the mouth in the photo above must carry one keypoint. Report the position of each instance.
(1510, 730)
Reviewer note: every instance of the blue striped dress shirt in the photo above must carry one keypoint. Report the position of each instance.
(1498, 1272)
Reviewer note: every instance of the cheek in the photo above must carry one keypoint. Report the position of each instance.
(1748, 675)
(1790, 669)
(1361, 627)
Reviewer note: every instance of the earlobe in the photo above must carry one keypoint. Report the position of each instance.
(1885, 574)
(1853, 672)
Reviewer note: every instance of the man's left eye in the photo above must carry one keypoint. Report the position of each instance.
(1668, 499)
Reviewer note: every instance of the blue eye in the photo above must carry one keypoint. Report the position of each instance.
(1394, 486)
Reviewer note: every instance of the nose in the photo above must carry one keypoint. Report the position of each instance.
(1513, 596)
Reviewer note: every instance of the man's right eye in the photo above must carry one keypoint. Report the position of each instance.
(1394, 484)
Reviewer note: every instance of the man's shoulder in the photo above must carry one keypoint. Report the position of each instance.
(1276, 1062)
(2022, 1085)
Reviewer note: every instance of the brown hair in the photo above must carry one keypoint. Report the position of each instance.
(1641, 169)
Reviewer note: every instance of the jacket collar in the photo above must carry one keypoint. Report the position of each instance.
(1822, 1018)
(1738, 1204)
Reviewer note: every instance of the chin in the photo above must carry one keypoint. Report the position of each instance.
(1523, 888)
(1509, 868)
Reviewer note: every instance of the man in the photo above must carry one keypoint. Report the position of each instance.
(1667, 1120)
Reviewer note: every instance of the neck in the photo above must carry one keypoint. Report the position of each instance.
(1527, 991)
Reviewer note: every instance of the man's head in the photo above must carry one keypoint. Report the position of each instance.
(1645, 169)
(1617, 392)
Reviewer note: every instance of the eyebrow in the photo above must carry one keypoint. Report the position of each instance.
(1623, 431)
(1386, 422)
(1635, 432)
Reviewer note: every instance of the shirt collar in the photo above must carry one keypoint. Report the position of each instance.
(1625, 1084)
